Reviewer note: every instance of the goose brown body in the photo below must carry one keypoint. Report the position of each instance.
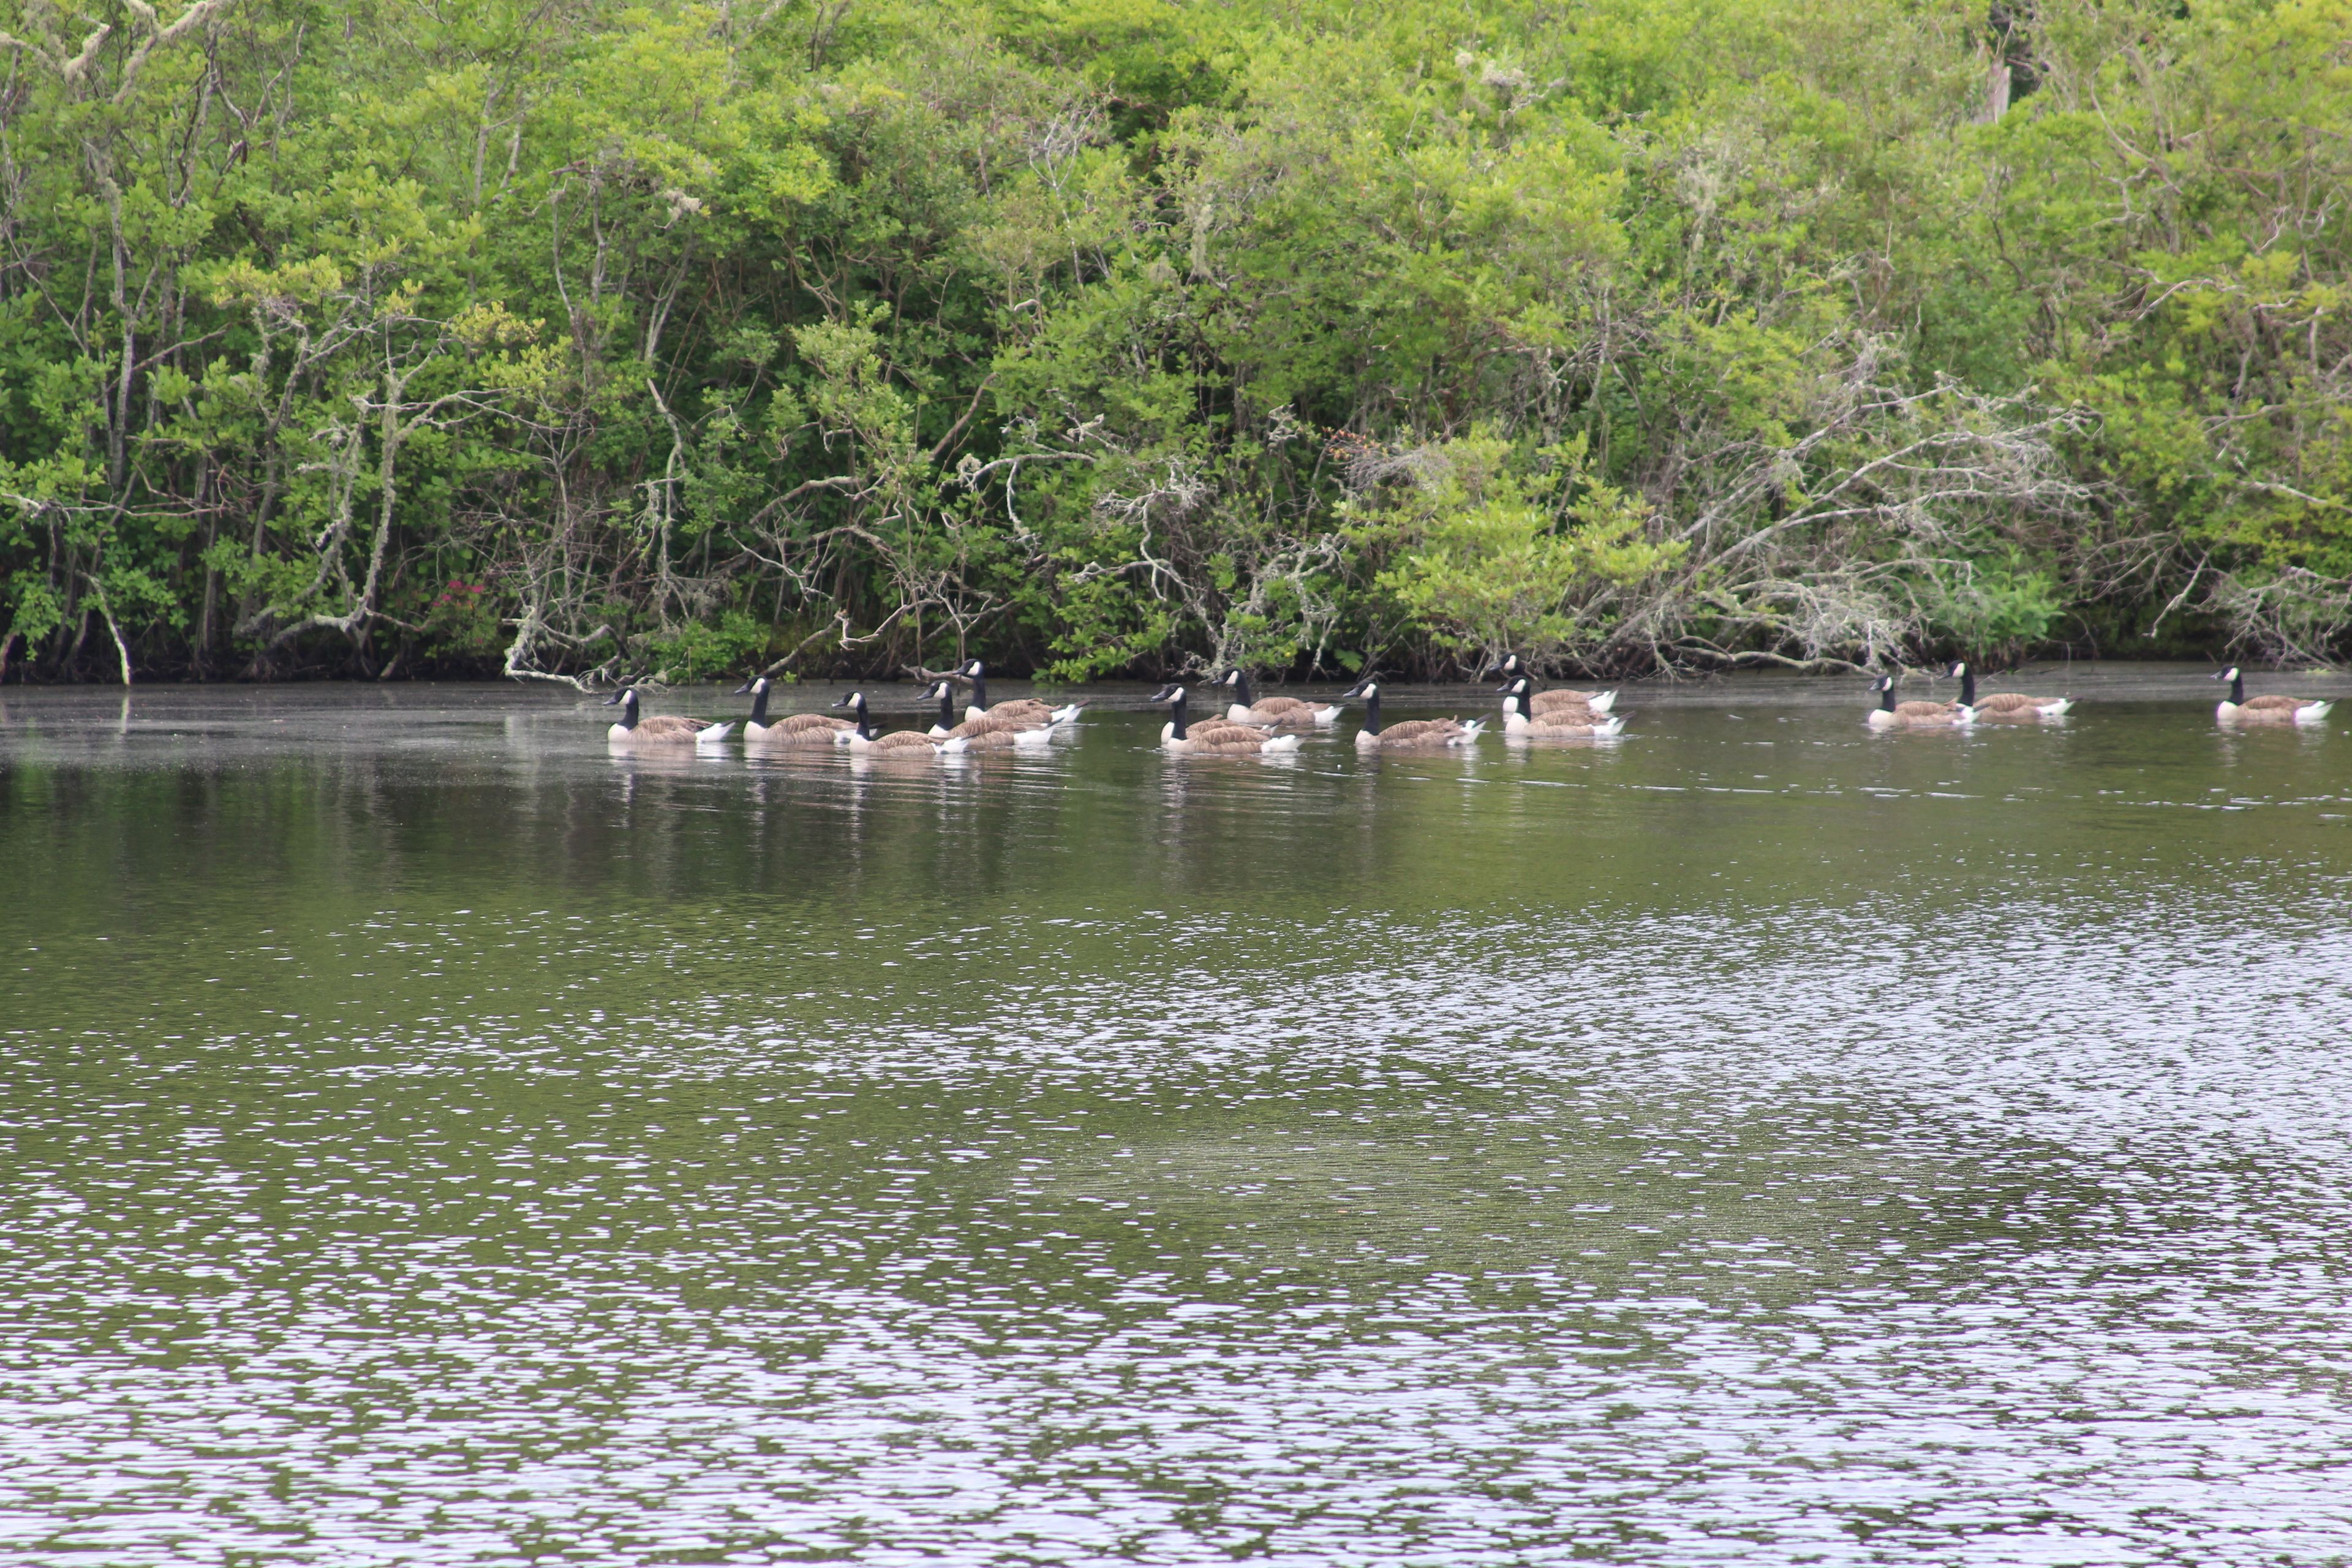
(1207, 731)
(1006, 718)
(1282, 710)
(909, 743)
(1559, 700)
(2007, 707)
(1565, 721)
(1010, 719)
(667, 727)
(1413, 734)
(805, 729)
(1274, 712)
(1214, 737)
(661, 729)
(896, 740)
(996, 739)
(793, 728)
(1020, 711)
(1418, 732)
(2271, 708)
(1892, 715)
(1231, 740)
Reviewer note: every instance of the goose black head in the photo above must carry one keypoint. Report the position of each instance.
(855, 699)
(972, 670)
(2228, 673)
(1171, 692)
(1369, 686)
(1506, 665)
(1960, 668)
(756, 684)
(625, 698)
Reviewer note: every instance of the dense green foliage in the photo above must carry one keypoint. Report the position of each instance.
(1111, 335)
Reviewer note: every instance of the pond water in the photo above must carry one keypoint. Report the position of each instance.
(426, 1137)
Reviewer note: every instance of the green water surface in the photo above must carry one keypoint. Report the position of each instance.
(429, 1138)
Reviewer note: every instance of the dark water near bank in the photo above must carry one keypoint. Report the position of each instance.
(426, 1139)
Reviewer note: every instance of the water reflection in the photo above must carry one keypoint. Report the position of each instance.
(429, 1140)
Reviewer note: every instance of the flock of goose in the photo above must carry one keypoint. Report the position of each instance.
(1257, 726)
(2016, 707)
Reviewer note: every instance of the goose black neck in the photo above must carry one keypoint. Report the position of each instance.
(1241, 691)
(946, 705)
(629, 711)
(2238, 690)
(1176, 711)
(1886, 697)
(979, 692)
(1372, 711)
(1525, 697)
(865, 721)
(1967, 686)
(758, 705)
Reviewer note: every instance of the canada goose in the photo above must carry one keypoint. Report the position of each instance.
(2273, 709)
(662, 729)
(977, 673)
(1544, 701)
(1413, 734)
(1892, 715)
(1011, 718)
(1561, 721)
(1284, 713)
(1214, 737)
(2006, 705)
(793, 728)
(897, 743)
(991, 731)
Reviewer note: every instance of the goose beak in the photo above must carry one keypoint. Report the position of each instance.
(741, 689)
(615, 699)
(839, 703)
